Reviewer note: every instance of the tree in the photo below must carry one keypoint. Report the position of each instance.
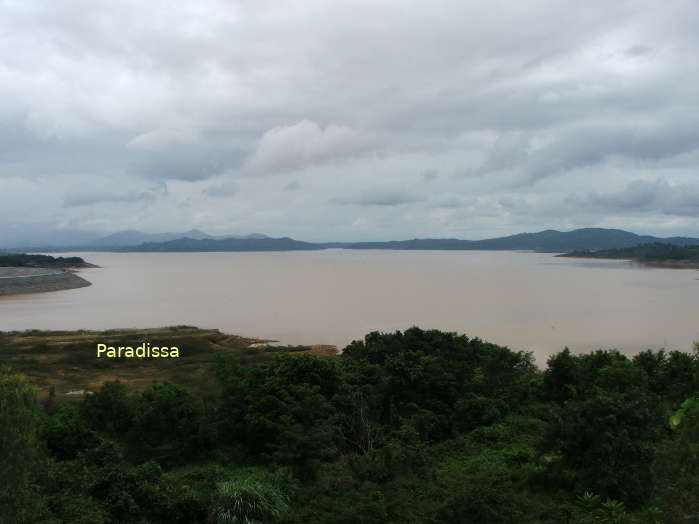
(608, 440)
(283, 409)
(66, 432)
(169, 421)
(20, 447)
(425, 375)
(109, 409)
(676, 466)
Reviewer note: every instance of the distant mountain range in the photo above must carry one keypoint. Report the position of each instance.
(136, 238)
(227, 244)
(34, 239)
(548, 241)
(588, 239)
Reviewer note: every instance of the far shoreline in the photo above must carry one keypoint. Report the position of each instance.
(660, 264)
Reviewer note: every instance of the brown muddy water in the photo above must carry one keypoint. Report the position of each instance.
(527, 301)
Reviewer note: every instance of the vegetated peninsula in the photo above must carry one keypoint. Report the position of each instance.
(413, 426)
(655, 254)
(23, 273)
(43, 261)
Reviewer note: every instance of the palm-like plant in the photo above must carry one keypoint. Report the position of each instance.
(248, 501)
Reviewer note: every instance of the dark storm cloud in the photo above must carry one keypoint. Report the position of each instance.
(495, 116)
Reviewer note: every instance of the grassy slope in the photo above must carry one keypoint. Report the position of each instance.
(67, 360)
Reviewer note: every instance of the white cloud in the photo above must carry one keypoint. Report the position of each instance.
(164, 138)
(286, 148)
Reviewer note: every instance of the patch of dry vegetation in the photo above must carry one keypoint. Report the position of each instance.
(66, 361)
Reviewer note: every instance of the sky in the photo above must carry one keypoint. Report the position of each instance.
(349, 120)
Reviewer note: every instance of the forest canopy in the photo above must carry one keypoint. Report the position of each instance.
(412, 427)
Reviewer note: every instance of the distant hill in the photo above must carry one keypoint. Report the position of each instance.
(136, 238)
(228, 244)
(547, 241)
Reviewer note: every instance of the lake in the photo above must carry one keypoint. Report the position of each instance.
(527, 301)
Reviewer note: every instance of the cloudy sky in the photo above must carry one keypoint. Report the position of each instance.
(350, 120)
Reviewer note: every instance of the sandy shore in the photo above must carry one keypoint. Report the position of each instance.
(20, 280)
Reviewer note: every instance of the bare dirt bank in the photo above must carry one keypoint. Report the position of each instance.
(20, 280)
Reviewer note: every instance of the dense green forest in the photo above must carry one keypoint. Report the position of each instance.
(411, 427)
(24, 260)
(652, 252)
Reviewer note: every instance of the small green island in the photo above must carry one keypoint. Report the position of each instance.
(653, 254)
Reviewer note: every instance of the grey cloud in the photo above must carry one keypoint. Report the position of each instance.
(380, 197)
(589, 145)
(223, 190)
(510, 149)
(638, 50)
(643, 196)
(451, 201)
(183, 164)
(516, 205)
(164, 138)
(86, 199)
(429, 175)
(540, 100)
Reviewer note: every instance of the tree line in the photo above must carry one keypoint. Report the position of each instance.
(25, 260)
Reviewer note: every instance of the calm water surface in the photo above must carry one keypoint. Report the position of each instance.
(527, 301)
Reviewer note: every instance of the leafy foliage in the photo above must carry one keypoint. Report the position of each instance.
(20, 446)
(247, 501)
(415, 426)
